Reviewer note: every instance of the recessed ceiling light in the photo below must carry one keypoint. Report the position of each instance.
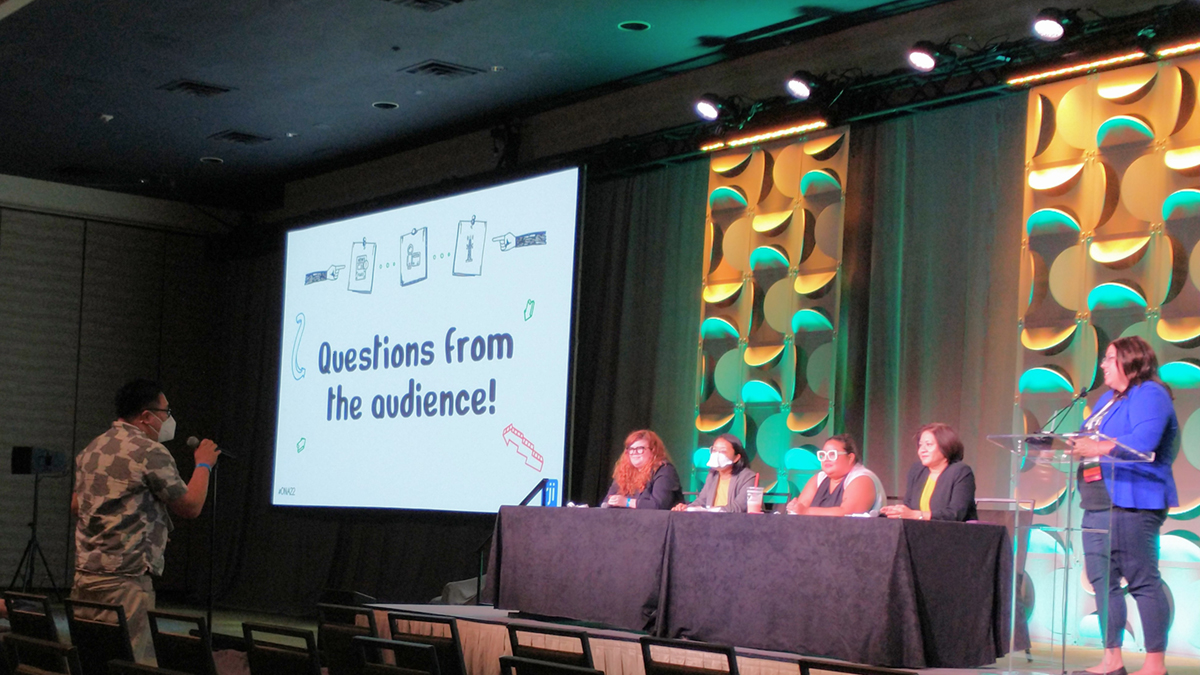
(291, 134)
(497, 69)
(634, 26)
(212, 160)
(386, 105)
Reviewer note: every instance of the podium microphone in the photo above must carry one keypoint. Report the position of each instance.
(1058, 418)
(193, 443)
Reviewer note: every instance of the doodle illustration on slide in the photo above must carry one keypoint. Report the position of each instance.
(514, 437)
(468, 248)
(414, 250)
(297, 371)
(330, 274)
(362, 266)
(508, 241)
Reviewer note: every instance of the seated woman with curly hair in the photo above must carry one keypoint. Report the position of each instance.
(644, 477)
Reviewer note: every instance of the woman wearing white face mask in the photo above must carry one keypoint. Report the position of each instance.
(644, 477)
(729, 478)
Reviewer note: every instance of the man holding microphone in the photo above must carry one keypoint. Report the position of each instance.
(126, 488)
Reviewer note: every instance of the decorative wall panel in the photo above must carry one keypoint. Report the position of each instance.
(1111, 248)
(772, 258)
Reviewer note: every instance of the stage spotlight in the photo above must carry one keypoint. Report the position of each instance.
(802, 84)
(924, 56)
(710, 107)
(1051, 24)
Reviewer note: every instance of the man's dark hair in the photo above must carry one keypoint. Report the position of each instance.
(135, 396)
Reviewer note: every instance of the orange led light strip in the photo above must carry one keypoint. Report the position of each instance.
(1083, 67)
(767, 136)
(1181, 49)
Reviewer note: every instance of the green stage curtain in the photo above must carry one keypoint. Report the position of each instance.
(932, 249)
(639, 318)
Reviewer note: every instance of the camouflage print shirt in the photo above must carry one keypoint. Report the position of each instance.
(124, 481)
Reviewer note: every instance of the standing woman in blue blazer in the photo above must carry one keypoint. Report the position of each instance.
(1129, 500)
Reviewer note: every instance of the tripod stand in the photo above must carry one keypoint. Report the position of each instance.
(33, 548)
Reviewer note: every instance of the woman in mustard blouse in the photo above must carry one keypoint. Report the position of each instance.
(940, 485)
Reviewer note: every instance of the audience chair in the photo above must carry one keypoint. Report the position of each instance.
(99, 641)
(410, 658)
(30, 615)
(516, 665)
(544, 652)
(337, 626)
(277, 658)
(131, 668)
(666, 667)
(189, 651)
(443, 635)
(31, 656)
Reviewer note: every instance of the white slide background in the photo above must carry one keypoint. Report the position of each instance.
(469, 277)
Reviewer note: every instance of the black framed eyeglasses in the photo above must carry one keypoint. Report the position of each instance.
(166, 410)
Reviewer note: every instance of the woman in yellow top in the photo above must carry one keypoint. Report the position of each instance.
(940, 485)
(729, 479)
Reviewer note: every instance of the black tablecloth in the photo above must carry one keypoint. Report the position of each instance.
(587, 564)
(870, 590)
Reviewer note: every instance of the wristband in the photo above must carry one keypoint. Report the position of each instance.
(207, 466)
(629, 502)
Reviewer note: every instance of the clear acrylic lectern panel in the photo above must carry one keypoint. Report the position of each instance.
(1048, 544)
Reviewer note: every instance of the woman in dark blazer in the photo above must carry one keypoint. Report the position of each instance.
(940, 485)
(643, 477)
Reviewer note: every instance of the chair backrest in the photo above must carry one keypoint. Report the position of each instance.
(337, 625)
(131, 668)
(31, 655)
(665, 667)
(1016, 517)
(277, 657)
(880, 495)
(189, 651)
(516, 665)
(100, 633)
(558, 648)
(410, 658)
(449, 648)
(30, 615)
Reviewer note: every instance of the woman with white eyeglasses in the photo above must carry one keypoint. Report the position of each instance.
(844, 487)
(728, 481)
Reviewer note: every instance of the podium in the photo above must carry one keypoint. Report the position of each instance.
(1043, 494)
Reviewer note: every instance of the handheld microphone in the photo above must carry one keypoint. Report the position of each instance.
(193, 443)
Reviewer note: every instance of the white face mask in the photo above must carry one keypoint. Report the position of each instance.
(718, 460)
(167, 431)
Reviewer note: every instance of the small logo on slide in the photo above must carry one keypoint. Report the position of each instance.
(514, 437)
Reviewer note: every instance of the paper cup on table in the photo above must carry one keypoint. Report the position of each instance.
(754, 500)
